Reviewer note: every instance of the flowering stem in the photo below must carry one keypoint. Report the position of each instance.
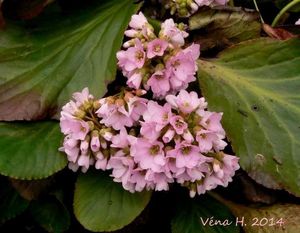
(283, 11)
(257, 9)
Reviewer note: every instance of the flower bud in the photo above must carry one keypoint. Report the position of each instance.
(96, 104)
(80, 114)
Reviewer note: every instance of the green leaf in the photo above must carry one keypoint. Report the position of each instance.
(11, 204)
(44, 62)
(30, 150)
(103, 205)
(194, 215)
(51, 214)
(256, 84)
(224, 26)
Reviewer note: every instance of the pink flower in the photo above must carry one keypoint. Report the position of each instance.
(149, 155)
(106, 108)
(193, 174)
(136, 107)
(172, 33)
(122, 140)
(101, 161)
(168, 136)
(298, 22)
(149, 131)
(95, 143)
(186, 155)
(220, 2)
(178, 123)
(230, 166)
(132, 58)
(211, 2)
(82, 97)
(84, 161)
(203, 2)
(206, 140)
(159, 83)
(118, 119)
(77, 128)
(157, 114)
(182, 68)
(138, 21)
(122, 168)
(187, 136)
(84, 147)
(69, 109)
(73, 166)
(212, 122)
(208, 183)
(186, 102)
(134, 79)
(71, 148)
(139, 26)
(156, 47)
(115, 116)
(160, 180)
(131, 33)
(138, 179)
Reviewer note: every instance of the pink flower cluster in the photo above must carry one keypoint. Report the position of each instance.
(158, 63)
(185, 8)
(147, 145)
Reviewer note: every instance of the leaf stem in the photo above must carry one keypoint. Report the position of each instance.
(283, 11)
(257, 9)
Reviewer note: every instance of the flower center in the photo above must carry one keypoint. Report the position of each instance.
(179, 123)
(186, 150)
(176, 63)
(157, 48)
(139, 55)
(154, 150)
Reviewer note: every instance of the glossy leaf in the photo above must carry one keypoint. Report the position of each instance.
(256, 84)
(44, 62)
(11, 204)
(51, 214)
(200, 215)
(103, 205)
(30, 150)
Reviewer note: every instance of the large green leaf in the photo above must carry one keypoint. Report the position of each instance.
(11, 203)
(257, 86)
(195, 215)
(103, 205)
(44, 62)
(30, 150)
(51, 214)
